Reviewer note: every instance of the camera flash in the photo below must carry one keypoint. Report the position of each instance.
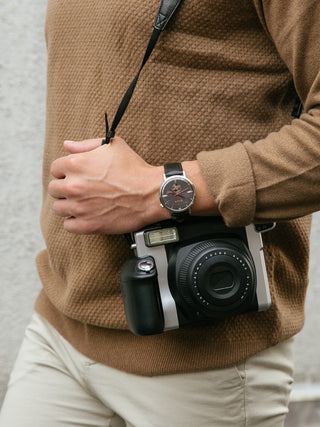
(161, 236)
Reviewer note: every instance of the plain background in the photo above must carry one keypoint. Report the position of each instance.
(22, 122)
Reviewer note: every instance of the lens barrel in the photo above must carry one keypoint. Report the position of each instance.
(217, 276)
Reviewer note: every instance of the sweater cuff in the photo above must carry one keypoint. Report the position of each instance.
(229, 176)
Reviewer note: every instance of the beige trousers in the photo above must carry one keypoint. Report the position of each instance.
(53, 385)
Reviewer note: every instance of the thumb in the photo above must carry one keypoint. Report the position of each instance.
(75, 147)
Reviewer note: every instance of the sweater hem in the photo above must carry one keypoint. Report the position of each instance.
(168, 353)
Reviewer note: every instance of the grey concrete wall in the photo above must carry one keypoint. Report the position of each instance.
(22, 110)
(307, 345)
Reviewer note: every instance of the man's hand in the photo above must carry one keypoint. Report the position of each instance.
(106, 189)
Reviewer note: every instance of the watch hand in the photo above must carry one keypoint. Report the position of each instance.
(178, 192)
(175, 194)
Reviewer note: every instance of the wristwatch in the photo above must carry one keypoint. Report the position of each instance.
(176, 192)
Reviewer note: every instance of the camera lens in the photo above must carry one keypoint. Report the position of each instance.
(220, 280)
(218, 276)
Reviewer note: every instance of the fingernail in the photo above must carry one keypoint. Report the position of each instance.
(68, 140)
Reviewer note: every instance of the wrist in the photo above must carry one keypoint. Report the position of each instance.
(154, 212)
(204, 203)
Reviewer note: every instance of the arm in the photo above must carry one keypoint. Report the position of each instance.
(277, 177)
(272, 179)
(110, 189)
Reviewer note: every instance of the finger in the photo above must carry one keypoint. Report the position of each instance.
(56, 189)
(58, 169)
(63, 166)
(75, 147)
(79, 226)
(62, 207)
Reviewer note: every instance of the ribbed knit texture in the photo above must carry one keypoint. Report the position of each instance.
(215, 79)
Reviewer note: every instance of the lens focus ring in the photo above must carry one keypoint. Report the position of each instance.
(217, 276)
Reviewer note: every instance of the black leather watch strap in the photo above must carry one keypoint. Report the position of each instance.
(171, 169)
(178, 216)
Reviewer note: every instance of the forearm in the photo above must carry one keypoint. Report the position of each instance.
(276, 178)
(112, 190)
(151, 209)
(286, 169)
(204, 204)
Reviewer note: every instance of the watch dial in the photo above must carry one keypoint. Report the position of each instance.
(177, 194)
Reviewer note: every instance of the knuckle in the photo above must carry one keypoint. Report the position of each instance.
(74, 162)
(74, 188)
(78, 210)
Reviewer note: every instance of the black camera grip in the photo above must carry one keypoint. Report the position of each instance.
(141, 299)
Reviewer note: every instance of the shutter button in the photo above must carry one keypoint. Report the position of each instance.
(146, 265)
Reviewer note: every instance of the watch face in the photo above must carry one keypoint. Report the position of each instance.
(177, 194)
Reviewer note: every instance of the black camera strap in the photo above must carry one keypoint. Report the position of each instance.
(165, 13)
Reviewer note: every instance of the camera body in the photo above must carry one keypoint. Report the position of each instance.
(195, 270)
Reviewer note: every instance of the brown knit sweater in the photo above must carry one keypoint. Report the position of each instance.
(218, 86)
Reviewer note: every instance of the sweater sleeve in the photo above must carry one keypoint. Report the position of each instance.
(278, 177)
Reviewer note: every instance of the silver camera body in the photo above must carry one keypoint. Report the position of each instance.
(193, 271)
